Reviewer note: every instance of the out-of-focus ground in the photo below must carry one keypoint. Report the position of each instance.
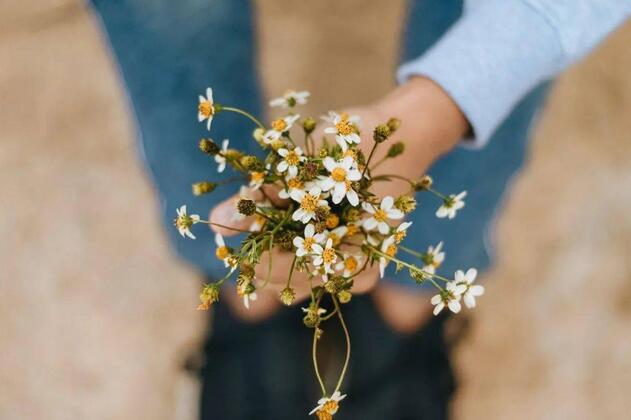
(96, 316)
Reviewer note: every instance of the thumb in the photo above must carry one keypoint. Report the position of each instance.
(226, 214)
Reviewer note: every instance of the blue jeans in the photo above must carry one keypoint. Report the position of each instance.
(170, 51)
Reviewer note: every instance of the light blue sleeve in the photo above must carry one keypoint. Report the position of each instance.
(500, 49)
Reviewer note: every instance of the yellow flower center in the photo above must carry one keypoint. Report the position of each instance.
(330, 406)
(334, 238)
(308, 243)
(328, 256)
(392, 249)
(292, 158)
(257, 176)
(309, 202)
(332, 220)
(324, 415)
(399, 235)
(183, 222)
(381, 215)
(295, 183)
(222, 252)
(277, 144)
(338, 174)
(351, 229)
(350, 264)
(279, 125)
(344, 127)
(351, 153)
(206, 109)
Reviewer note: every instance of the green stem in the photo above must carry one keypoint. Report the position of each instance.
(244, 113)
(348, 343)
(372, 151)
(385, 178)
(224, 226)
(408, 265)
(291, 271)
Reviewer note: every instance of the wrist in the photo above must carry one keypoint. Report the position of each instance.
(431, 120)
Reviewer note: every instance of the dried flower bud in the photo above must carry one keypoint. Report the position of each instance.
(287, 296)
(309, 124)
(320, 227)
(233, 155)
(258, 134)
(201, 188)
(344, 296)
(283, 239)
(322, 212)
(331, 286)
(396, 149)
(332, 220)
(405, 203)
(208, 296)
(418, 276)
(393, 124)
(381, 133)
(208, 146)
(252, 163)
(246, 207)
(352, 215)
(309, 171)
(424, 184)
(311, 318)
(246, 272)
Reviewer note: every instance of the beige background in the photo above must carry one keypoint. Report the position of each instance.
(96, 316)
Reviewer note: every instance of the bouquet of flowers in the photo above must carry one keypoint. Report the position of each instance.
(315, 201)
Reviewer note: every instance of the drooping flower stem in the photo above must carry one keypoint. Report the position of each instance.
(348, 343)
(244, 113)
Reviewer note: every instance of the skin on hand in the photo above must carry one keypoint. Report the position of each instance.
(432, 124)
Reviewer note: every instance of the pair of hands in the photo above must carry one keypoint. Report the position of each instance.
(431, 125)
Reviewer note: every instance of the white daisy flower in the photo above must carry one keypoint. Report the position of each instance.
(290, 99)
(472, 290)
(279, 126)
(449, 297)
(256, 180)
(291, 160)
(401, 231)
(342, 174)
(380, 215)
(389, 248)
(329, 405)
(309, 202)
(184, 221)
(293, 183)
(223, 252)
(326, 257)
(310, 244)
(349, 264)
(206, 108)
(219, 158)
(433, 258)
(345, 129)
(451, 205)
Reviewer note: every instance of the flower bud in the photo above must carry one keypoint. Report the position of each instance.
(352, 215)
(309, 171)
(418, 276)
(332, 220)
(381, 133)
(424, 184)
(246, 207)
(320, 227)
(201, 188)
(208, 296)
(393, 124)
(251, 163)
(344, 296)
(322, 212)
(233, 154)
(283, 240)
(323, 152)
(405, 203)
(396, 149)
(208, 146)
(258, 134)
(246, 272)
(309, 125)
(287, 296)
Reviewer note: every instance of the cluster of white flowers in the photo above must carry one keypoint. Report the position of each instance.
(461, 287)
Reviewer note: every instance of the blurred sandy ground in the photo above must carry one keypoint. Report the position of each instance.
(96, 316)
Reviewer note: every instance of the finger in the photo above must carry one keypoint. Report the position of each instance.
(404, 310)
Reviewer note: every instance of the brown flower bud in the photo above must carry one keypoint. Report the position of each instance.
(246, 207)
(201, 188)
(309, 171)
(396, 149)
(381, 133)
(424, 184)
(332, 220)
(287, 296)
(208, 146)
(322, 213)
(251, 163)
(393, 124)
(320, 227)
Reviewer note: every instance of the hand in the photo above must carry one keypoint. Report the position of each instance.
(431, 125)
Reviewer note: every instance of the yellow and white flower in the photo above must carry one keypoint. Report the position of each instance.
(471, 290)
(433, 258)
(291, 160)
(279, 126)
(401, 231)
(223, 253)
(449, 297)
(220, 157)
(293, 183)
(290, 99)
(330, 404)
(349, 265)
(309, 202)
(342, 174)
(326, 257)
(388, 247)
(379, 216)
(451, 205)
(310, 244)
(256, 180)
(184, 221)
(206, 108)
(344, 128)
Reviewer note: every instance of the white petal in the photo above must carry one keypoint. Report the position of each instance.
(352, 197)
(209, 94)
(438, 308)
(387, 203)
(309, 230)
(370, 224)
(219, 240)
(329, 163)
(384, 229)
(395, 214)
(298, 214)
(436, 299)
(454, 306)
(354, 175)
(298, 242)
(282, 166)
(326, 184)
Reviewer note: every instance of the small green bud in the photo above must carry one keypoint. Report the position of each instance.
(251, 163)
(246, 207)
(424, 184)
(405, 203)
(344, 296)
(258, 134)
(396, 149)
(418, 276)
(208, 146)
(323, 152)
(381, 133)
(287, 296)
(393, 124)
(352, 215)
(201, 188)
(309, 124)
